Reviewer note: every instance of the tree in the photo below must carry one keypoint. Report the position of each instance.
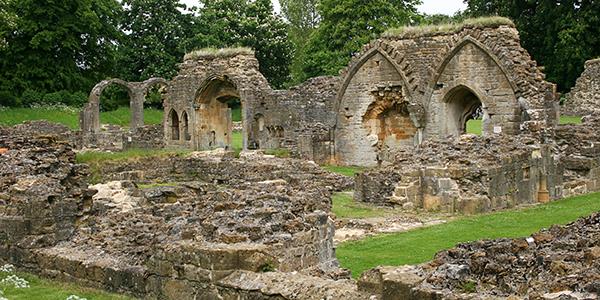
(156, 31)
(231, 23)
(7, 21)
(57, 45)
(303, 19)
(560, 35)
(347, 25)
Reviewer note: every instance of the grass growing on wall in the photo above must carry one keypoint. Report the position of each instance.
(420, 245)
(70, 116)
(430, 30)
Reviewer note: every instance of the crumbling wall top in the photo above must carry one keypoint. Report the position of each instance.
(409, 32)
(211, 53)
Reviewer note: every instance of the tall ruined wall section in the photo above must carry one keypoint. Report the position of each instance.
(299, 119)
(408, 87)
(584, 98)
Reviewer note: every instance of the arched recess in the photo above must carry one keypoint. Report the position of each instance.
(213, 105)
(462, 104)
(174, 125)
(185, 126)
(259, 136)
(89, 120)
(473, 66)
(372, 111)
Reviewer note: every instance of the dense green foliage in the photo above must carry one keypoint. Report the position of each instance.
(560, 35)
(231, 23)
(56, 45)
(418, 246)
(156, 29)
(347, 25)
(303, 18)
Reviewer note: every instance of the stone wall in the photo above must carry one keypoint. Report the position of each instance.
(580, 156)
(472, 175)
(43, 194)
(433, 83)
(270, 118)
(584, 98)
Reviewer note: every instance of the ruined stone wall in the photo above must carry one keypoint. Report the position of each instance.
(579, 151)
(469, 176)
(584, 98)
(436, 81)
(43, 193)
(270, 118)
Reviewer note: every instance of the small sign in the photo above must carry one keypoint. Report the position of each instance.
(497, 129)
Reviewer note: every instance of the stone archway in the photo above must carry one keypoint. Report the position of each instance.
(374, 111)
(89, 119)
(213, 110)
(174, 123)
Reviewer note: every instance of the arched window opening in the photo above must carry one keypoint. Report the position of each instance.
(186, 126)
(174, 118)
(465, 112)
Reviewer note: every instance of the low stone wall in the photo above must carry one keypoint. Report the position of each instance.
(473, 175)
(223, 168)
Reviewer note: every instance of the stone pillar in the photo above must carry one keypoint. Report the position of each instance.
(136, 104)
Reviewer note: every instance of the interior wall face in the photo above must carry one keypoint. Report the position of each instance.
(474, 69)
(214, 122)
(357, 139)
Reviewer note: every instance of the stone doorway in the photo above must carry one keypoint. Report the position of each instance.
(215, 104)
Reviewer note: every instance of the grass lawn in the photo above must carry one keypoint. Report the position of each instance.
(70, 116)
(420, 245)
(343, 170)
(43, 289)
(345, 207)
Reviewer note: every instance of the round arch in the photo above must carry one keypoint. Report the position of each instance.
(90, 117)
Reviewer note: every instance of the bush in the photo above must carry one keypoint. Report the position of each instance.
(8, 99)
(31, 98)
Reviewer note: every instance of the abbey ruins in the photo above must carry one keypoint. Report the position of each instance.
(261, 227)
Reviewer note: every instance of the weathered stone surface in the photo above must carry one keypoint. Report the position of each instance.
(471, 175)
(584, 98)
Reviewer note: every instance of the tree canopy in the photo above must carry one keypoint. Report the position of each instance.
(560, 35)
(347, 25)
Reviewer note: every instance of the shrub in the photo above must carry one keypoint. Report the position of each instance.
(31, 98)
(8, 99)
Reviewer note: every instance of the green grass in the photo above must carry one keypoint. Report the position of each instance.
(474, 127)
(236, 114)
(570, 120)
(344, 170)
(345, 207)
(237, 141)
(122, 116)
(70, 116)
(43, 289)
(420, 245)
(280, 152)
(99, 157)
